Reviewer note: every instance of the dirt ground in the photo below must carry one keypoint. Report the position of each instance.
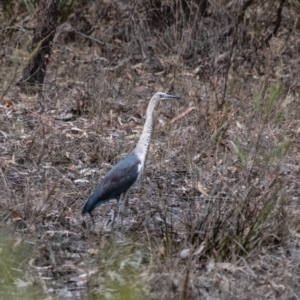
(216, 212)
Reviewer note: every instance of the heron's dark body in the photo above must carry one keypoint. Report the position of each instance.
(116, 182)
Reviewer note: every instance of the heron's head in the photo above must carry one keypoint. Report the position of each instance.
(163, 96)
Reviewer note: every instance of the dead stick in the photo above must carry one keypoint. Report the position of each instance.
(182, 114)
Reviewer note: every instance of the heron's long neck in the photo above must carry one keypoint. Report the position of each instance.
(144, 141)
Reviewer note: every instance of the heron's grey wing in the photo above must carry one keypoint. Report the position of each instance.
(117, 181)
(121, 177)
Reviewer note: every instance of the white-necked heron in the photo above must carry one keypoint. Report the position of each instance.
(125, 173)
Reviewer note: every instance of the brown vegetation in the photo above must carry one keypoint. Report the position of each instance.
(215, 215)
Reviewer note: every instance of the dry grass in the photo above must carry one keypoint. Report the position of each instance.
(216, 213)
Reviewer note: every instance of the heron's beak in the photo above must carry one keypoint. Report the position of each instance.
(168, 96)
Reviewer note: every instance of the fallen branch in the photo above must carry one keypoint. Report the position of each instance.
(182, 114)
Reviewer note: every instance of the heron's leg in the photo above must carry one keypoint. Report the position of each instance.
(115, 210)
(92, 217)
(122, 206)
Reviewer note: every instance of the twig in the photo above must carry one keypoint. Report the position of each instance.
(182, 114)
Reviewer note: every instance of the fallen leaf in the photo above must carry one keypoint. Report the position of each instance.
(185, 253)
(200, 249)
(20, 283)
(7, 101)
(25, 97)
(229, 267)
(92, 251)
